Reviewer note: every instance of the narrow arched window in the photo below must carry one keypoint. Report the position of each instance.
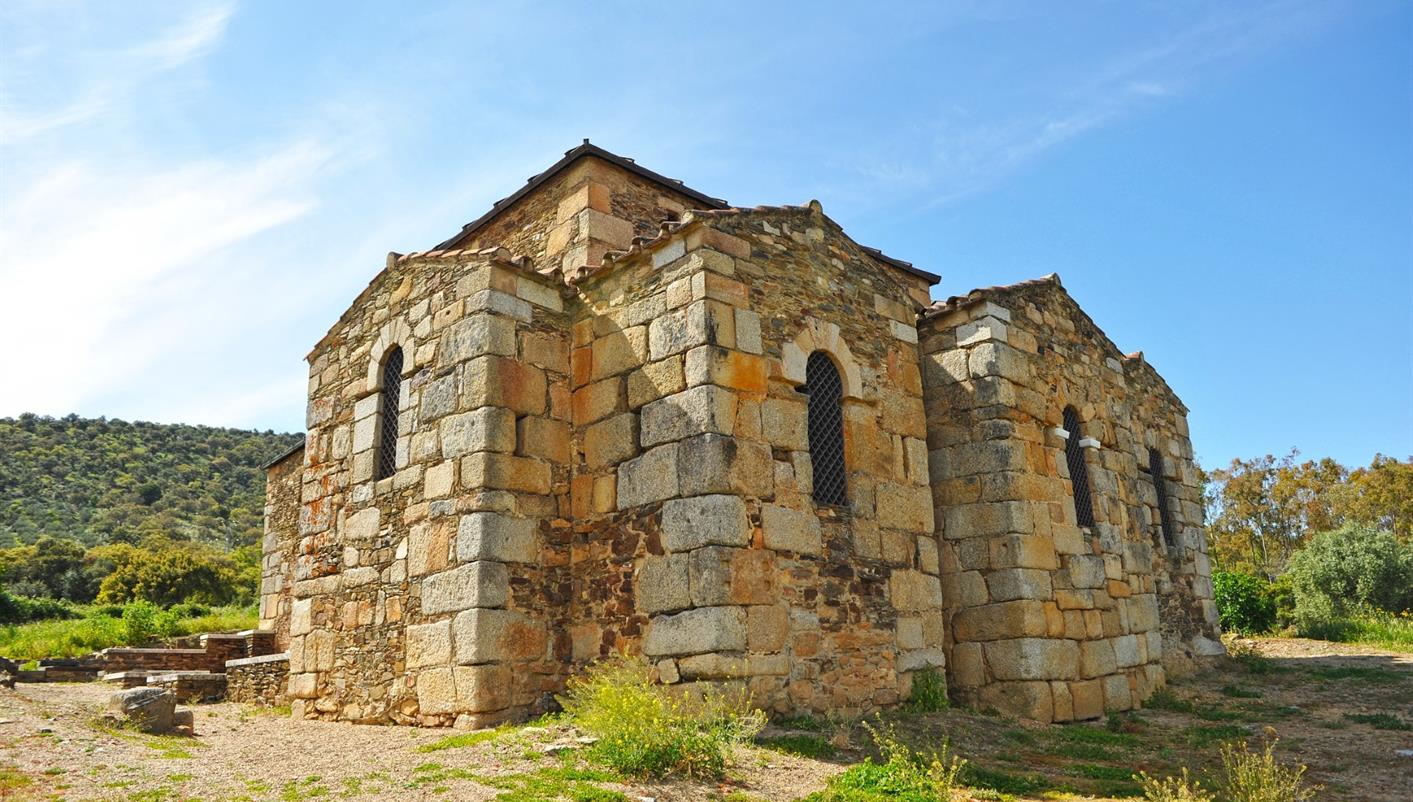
(1079, 471)
(386, 460)
(1156, 473)
(826, 428)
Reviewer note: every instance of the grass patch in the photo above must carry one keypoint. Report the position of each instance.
(1362, 673)
(1238, 692)
(647, 730)
(12, 779)
(1383, 630)
(1095, 772)
(974, 776)
(99, 629)
(811, 746)
(466, 739)
(1206, 735)
(560, 782)
(1083, 734)
(807, 723)
(1166, 699)
(1380, 721)
(902, 774)
(1084, 752)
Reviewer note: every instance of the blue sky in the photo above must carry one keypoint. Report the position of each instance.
(191, 193)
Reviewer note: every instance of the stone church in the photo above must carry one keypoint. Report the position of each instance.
(615, 414)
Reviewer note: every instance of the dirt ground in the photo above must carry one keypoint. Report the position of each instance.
(1341, 710)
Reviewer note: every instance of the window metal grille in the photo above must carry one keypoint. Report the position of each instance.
(826, 429)
(1156, 472)
(1079, 471)
(387, 409)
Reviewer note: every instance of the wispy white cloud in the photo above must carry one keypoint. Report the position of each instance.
(116, 74)
(971, 153)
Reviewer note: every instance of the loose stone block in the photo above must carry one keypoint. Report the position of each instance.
(691, 523)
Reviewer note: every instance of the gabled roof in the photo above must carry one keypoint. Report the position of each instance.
(570, 157)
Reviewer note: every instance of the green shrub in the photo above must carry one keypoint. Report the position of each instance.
(1350, 570)
(1257, 777)
(647, 730)
(903, 775)
(929, 691)
(140, 621)
(23, 609)
(1244, 602)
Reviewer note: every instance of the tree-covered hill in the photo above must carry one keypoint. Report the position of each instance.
(109, 481)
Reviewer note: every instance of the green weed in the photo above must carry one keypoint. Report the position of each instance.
(466, 739)
(903, 775)
(929, 692)
(647, 730)
(1380, 721)
(811, 746)
(1257, 776)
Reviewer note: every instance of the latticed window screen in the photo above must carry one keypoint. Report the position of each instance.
(1155, 471)
(1079, 471)
(387, 409)
(826, 429)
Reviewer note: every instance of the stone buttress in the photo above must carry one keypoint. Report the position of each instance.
(1047, 618)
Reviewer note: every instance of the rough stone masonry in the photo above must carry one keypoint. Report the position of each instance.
(615, 414)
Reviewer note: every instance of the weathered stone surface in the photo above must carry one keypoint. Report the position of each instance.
(147, 709)
(611, 441)
(476, 584)
(1032, 658)
(493, 536)
(690, 523)
(785, 529)
(488, 636)
(661, 584)
(691, 412)
(706, 629)
(648, 478)
(429, 644)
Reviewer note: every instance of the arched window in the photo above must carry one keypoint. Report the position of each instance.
(1079, 471)
(1155, 472)
(386, 458)
(826, 428)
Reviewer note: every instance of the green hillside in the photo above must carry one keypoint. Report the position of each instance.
(101, 481)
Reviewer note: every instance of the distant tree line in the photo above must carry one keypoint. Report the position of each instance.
(110, 511)
(101, 481)
(1314, 546)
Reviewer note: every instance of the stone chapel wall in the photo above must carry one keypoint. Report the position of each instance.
(428, 596)
(701, 543)
(283, 481)
(1049, 620)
